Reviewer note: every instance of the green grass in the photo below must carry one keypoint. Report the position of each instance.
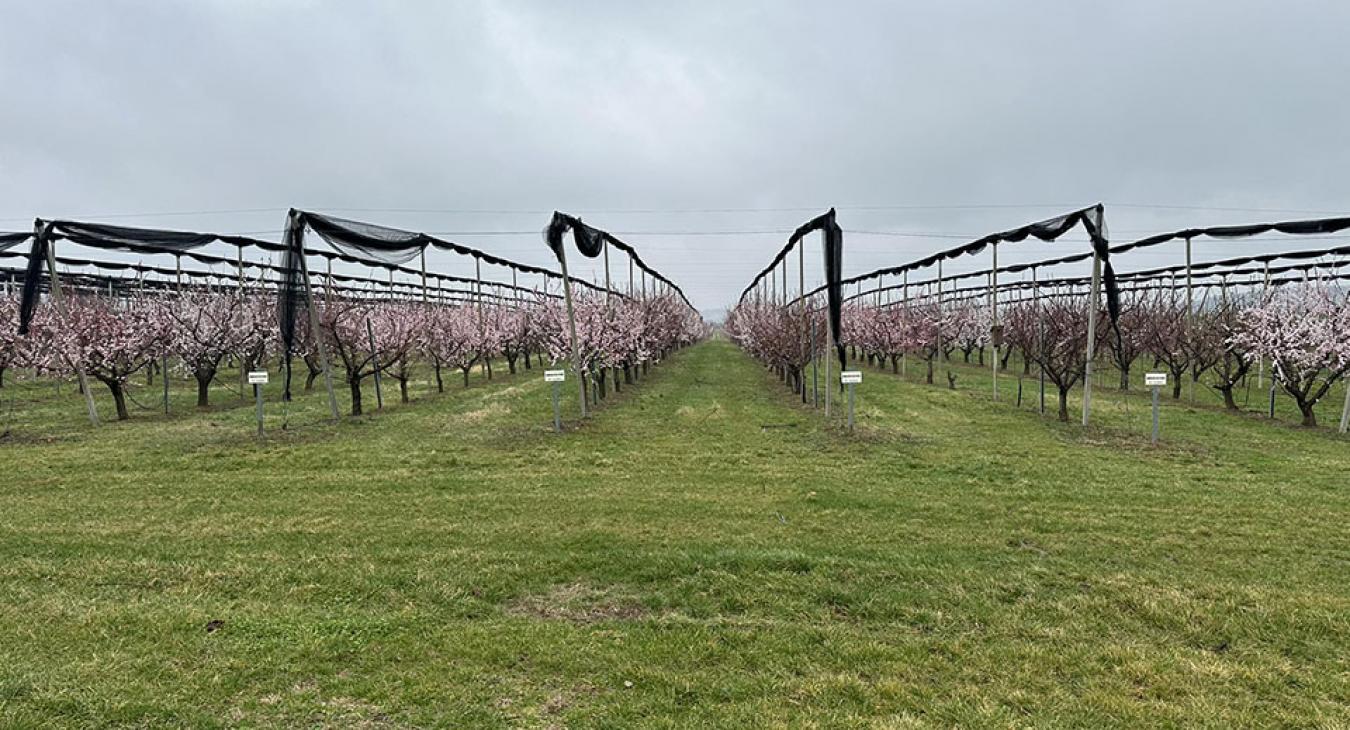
(734, 556)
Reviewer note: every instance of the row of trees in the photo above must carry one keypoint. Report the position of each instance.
(112, 339)
(1302, 331)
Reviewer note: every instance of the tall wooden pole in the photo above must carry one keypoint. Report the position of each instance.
(41, 232)
(1261, 361)
(295, 236)
(608, 291)
(424, 274)
(801, 299)
(830, 335)
(1186, 330)
(1093, 296)
(572, 325)
(903, 356)
(938, 355)
(482, 318)
(1040, 335)
(993, 313)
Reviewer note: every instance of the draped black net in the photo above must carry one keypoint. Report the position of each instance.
(367, 240)
(1297, 228)
(10, 240)
(123, 238)
(591, 242)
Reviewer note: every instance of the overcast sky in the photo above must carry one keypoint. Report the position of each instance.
(953, 118)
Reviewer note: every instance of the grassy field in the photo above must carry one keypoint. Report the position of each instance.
(703, 552)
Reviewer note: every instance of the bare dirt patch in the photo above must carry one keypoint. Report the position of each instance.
(578, 603)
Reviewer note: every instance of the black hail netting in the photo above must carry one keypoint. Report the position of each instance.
(590, 241)
(10, 240)
(833, 245)
(114, 238)
(1093, 220)
(354, 242)
(1302, 227)
(1296, 228)
(390, 246)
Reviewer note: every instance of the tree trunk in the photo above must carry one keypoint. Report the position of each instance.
(440, 384)
(466, 375)
(312, 362)
(403, 389)
(119, 397)
(1309, 416)
(1064, 405)
(895, 364)
(1176, 388)
(204, 387)
(527, 359)
(1125, 379)
(1228, 401)
(355, 384)
(511, 363)
(930, 372)
(981, 356)
(2, 376)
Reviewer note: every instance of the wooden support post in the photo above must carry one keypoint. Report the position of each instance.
(1040, 335)
(41, 233)
(1093, 297)
(806, 315)
(482, 317)
(993, 316)
(375, 364)
(1345, 410)
(1186, 328)
(1261, 361)
(572, 325)
(295, 236)
(830, 336)
(938, 355)
(424, 274)
(605, 249)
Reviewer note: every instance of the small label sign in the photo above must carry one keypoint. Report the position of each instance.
(257, 377)
(1155, 380)
(554, 376)
(850, 377)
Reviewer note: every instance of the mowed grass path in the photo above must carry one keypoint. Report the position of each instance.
(702, 552)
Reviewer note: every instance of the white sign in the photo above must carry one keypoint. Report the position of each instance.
(257, 377)
(1154, 380)
(849, 377)
(554, 376)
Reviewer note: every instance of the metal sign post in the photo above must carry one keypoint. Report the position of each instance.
(1155, 381)
(258, 378)
(850, 378)
(555, 377)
